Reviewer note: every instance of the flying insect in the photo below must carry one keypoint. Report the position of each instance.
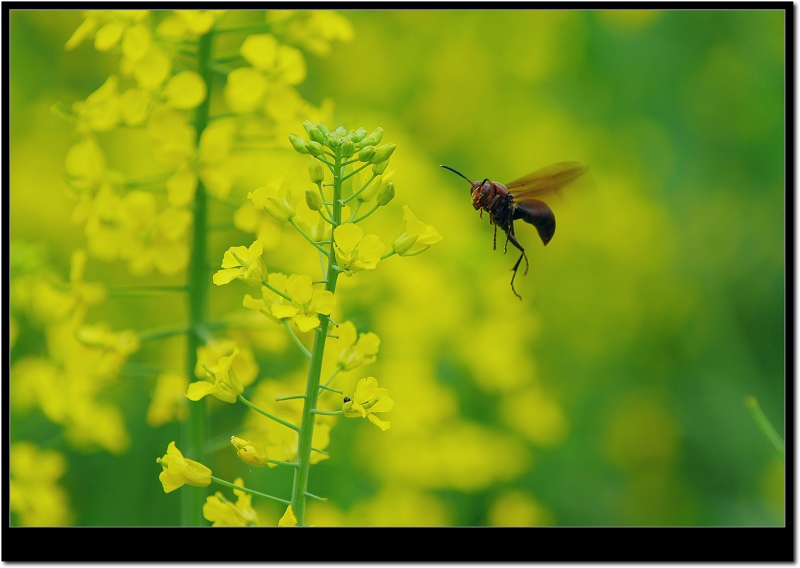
(522, 199)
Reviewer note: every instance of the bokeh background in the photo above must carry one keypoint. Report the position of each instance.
(611, 394)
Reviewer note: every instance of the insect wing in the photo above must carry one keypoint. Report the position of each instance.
(548, 180)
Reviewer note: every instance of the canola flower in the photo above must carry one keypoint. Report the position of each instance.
(178, 471)
(161, 223)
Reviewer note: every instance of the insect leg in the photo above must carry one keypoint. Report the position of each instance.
(494, 239)
(515, 242)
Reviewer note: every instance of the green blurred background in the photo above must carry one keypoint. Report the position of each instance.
(613, 393)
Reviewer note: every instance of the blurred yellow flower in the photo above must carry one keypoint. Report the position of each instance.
(356, 251)
(367, 400)
(168, 402)
(276, 198)
(315, 30)
(100, 335)
(225, 386)
(223, 513)
(152, 239)
(178, 471)
(186, 90)
(517, 508)
(100, 111)
(413, 236)
(244, 365)
(107, 27)
(34, 494)
(275, 67)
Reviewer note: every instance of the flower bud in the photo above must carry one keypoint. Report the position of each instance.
(403, 243)
(331, 141)
(348, 148)
(385, 194)
(366, 153)
(340, 132)
(358, 135)
(323, 129)
(313, 200)
(383, 152)
(249, 452)
(316, 171)
(378, 169)
(371, 190)
(314, 148)
(373, 139)
(298, 143)
(313, 131)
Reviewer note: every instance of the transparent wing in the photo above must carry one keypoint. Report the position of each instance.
(548, 180)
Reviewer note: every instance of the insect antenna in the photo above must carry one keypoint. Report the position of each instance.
(457, 172)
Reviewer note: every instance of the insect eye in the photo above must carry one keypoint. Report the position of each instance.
(346, 399)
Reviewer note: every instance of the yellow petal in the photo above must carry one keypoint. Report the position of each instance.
(260, 51)
(347, 236)
(185, 90)
(109, 35)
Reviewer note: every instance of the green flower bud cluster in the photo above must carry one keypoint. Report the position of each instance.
(365, 148)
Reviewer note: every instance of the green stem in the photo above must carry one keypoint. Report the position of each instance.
(293, 397)
(300, 484)
(260, 410)
(333, 376)
(365, 215)
(365, 186)
(307, 237)
(193, 431)
(325, 203)
(765, 425)
(296, 339)
(354, 172)
(246, 490)
(278, 292)
(151, 334)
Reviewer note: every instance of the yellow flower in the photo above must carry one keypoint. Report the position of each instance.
(315, 30)
(35, 497)
(149, 238)
(244, 365)
(288, 519)
(414, 236)
(354, 250)
(168, 402)
(100, 335)
(367, 400)
(243, 263)
(355, 353)
(305, 305)
(274, 67)
(276, 198)
(107, 27)
(225, 386)
(223, 513)
(186, 90)
(249, 452)
(100, 110)
(178, 471)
